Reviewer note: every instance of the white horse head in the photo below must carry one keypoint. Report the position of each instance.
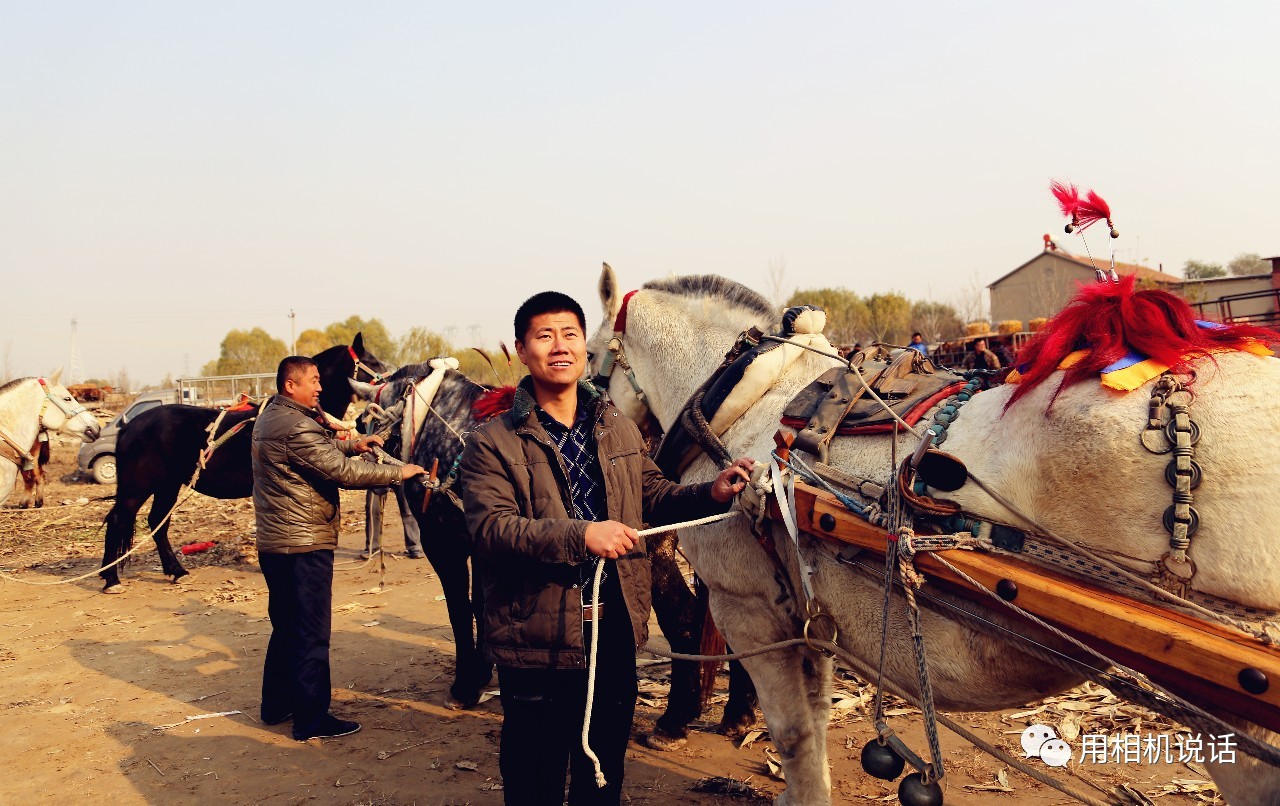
(64, 414)
(1076, 467)
(29, 406)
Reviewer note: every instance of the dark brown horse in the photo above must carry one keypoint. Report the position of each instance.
(158, 450)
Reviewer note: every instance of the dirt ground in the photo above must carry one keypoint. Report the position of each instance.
(125, 699)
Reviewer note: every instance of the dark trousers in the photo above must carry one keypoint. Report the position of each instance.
(295, 677)
(374, 501)
(542, 711)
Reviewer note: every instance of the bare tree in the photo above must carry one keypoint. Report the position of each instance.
(971, 301)
(121, 381)
(1049, 292)
(777, 282)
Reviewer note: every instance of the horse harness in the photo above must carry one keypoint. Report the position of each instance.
(18, 454)
(360, 365)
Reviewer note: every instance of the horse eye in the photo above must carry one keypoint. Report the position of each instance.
(591, 356)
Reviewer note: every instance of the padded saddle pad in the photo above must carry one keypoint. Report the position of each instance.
(908, 393)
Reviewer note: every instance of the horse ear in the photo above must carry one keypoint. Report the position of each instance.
(610, 299)
(56, 377)
(357, 343)
(364, 391)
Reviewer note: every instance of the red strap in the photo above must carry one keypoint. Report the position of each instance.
(352, 352)
(620, 323)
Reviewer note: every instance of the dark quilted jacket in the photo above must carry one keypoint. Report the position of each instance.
(297, 470)
(517, 506)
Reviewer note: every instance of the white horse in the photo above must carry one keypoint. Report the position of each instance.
(1077, 470)
(29, 406)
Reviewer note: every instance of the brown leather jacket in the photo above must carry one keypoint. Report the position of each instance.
(297, 470)
(517, 506)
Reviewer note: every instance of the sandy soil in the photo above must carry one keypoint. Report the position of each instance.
(118, 698)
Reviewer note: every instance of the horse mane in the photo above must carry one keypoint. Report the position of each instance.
(716, 287)
(13, 384)
(1113, 319)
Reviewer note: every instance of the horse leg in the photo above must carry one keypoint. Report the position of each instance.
(42, 459)
(39, 487)
(1245, 779)
(795, 695)
(119, 539)
(28, 488)
(448, 556)
(161, 505)
(483, 668)
(754, 606)
(740, 711)
(680, 616)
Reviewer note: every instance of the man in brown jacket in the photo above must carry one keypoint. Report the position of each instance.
(557, 484)
(297, 470)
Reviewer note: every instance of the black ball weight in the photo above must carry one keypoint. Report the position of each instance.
(913, 791)
(881, 761)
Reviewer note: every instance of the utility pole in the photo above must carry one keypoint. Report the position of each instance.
(293, 332)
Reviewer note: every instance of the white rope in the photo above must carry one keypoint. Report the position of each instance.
(596, 613)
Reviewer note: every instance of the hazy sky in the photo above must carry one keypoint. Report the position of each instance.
(170, 171)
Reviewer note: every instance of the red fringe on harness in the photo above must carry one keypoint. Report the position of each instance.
(493, 403)
(1111, 320)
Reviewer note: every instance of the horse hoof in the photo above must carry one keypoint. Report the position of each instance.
(737, 728)
(657, 741)
(114, 589)
(456, 703)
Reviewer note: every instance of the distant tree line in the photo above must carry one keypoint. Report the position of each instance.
(1241, 265)
(889, 317)
(249, 351)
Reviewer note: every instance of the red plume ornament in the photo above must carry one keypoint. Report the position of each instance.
(1094, 208)
(1068, 197)
(493, 403)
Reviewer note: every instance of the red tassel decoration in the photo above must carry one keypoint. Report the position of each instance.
(1111, 320)
(493, 403)
(1094, 208)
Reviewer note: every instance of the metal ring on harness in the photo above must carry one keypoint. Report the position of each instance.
(816, 614)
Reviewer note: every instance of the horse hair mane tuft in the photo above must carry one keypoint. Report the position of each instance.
(1112, 319)
(493, 403)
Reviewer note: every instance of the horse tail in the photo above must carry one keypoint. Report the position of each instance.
(712, 643)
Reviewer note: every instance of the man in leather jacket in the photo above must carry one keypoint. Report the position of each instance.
(555, 485)
(297, 470)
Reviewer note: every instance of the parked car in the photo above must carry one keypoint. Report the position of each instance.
(98, 458)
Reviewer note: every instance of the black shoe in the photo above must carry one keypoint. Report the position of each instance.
(330, 728)
(278, 720)
(414, 554)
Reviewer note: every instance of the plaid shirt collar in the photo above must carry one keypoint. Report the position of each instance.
(577, 447)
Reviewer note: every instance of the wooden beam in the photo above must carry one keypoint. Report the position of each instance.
(1200, 659)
